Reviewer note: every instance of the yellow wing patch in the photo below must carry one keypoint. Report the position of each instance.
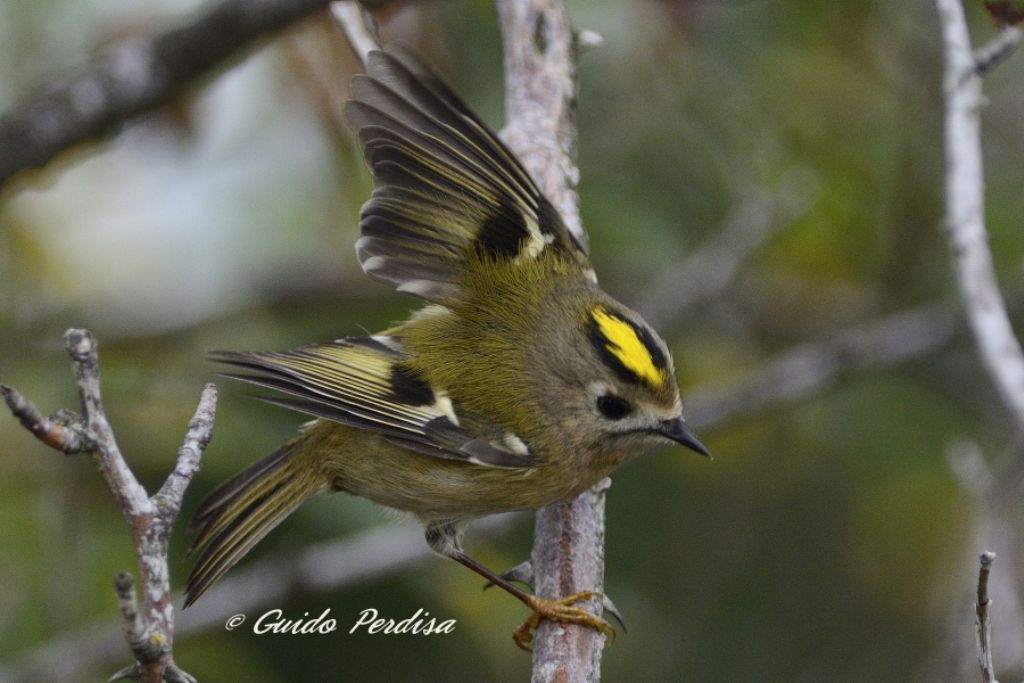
(625, 344)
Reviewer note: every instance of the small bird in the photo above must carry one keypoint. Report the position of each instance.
(520, 384)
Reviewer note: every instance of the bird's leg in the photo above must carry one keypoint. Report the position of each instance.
(444, 537)
(560, 609)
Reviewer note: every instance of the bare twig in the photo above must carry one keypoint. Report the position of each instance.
(135, 77)
(993, 333)
(131, 497)
(540, 94)
(61, 430)
(354, 23)
(993, 493)
(134, 629)
(197, 438)
(996, 50)
(149, 631)
(982, 623)
(965, 207)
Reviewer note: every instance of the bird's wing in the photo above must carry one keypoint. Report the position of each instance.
(446, 189)
(366, 383)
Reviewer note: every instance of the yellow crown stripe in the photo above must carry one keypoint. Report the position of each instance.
(625, 344)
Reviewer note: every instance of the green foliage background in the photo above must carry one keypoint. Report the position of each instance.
(829, 540)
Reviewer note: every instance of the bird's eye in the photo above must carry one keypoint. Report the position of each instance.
(613, 407)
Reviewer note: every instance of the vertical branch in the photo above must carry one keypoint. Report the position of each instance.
(131, 497)
(149, 630)
(982, 622)
(354, 22)
(540, 98)
(965, 207)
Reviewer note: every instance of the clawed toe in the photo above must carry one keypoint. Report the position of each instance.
(563, 610)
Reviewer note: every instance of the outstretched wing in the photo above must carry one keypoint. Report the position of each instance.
(366, 383)
(445, 187)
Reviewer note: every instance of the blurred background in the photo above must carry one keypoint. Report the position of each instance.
(763, 179)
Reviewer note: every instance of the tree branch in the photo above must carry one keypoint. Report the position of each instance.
(982, 623)
(540, 95)
(131, 497)
(540, 99)
(986, 311)
(965, 209)
(135, 77)
(60, 431)
(996, 50)
(149, 631)
(197, 438)
(354, 23)
(132, 624)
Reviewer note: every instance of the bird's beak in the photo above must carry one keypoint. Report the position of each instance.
(676, 430)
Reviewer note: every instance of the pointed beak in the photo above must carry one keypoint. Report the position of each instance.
(676, 430)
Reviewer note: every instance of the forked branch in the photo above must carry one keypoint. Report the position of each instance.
(149, 628)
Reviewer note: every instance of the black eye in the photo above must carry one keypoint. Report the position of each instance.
(613, 407)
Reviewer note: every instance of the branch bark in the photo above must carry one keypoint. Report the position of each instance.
(540, 97)
(965, 215)
(135, 77)
(149, 630)
(354, 23)
(965, 207)
(982, 623)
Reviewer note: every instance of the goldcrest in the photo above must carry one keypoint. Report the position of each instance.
(521, 383)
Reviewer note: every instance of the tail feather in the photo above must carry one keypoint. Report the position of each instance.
(216, 500)
(233, 518)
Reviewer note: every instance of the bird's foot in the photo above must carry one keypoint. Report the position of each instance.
(563, 610)
(523, 573)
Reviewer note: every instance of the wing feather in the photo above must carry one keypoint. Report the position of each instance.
(445, 187)
(366, 383)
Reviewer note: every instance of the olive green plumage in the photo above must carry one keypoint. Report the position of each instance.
(243, 510)
(521, 384)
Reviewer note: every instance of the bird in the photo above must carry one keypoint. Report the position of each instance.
(519, 383)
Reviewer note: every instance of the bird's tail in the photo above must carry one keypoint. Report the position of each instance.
(234, 517)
